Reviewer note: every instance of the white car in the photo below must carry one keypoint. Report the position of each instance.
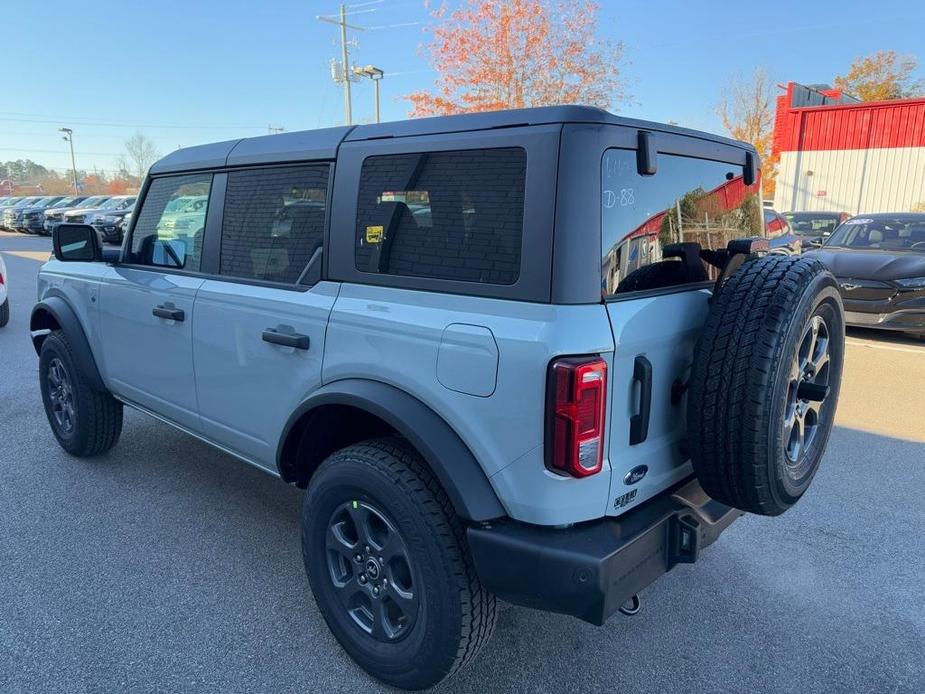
(4, 300)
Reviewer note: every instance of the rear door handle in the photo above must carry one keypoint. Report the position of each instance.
(169, 312)
(275, 337)
(639, 422)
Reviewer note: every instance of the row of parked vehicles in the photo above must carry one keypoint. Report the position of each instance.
(40, 214)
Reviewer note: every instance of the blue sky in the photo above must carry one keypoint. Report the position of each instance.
(190, 72)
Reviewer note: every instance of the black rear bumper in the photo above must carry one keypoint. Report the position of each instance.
(589, 570)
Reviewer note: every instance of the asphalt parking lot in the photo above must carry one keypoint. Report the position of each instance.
(166, 565)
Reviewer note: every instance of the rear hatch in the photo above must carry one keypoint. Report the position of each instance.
(657, 290)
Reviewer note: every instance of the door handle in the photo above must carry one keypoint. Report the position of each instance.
(639, 422)
(275, 337)
(168, 312)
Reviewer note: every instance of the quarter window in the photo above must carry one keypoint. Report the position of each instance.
(655, 226)
(273, 222)
(443, 215)
(170, 225)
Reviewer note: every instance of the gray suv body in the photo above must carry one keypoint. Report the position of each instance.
(474, 339)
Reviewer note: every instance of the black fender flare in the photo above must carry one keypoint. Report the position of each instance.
(451, 461)
(66, 317)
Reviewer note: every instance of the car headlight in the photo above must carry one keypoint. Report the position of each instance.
(106, 219)
(911, 282)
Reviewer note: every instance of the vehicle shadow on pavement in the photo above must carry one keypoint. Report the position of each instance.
(166, 564)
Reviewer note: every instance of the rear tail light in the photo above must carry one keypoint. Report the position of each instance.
(575, 410)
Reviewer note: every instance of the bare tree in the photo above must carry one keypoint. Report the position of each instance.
(140, 153)
(747, 111)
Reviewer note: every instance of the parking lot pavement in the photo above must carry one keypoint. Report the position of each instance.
(166, 565)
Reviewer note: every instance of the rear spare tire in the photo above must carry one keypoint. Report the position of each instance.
(765, 381)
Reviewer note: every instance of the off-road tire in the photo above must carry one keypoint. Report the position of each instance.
(456, 615)
(741, 382)
(4, 313)
(97, 421)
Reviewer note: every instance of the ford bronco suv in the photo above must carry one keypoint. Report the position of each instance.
(539, 356)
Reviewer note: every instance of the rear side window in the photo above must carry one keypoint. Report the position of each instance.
(443, 215)
(655, 226)
(273, 222)
(169, 228)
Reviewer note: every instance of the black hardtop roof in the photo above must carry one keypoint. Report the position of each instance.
(323, 143)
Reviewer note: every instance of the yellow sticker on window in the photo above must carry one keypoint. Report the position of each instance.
(373, 234)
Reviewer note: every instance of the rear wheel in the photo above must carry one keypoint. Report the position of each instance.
(765, 383)
(4, 313)
(388, 564)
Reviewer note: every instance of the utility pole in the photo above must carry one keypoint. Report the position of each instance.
(376, 75)
(69, 137)
(343, 73)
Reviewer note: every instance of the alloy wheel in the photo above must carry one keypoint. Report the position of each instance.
(369, 567)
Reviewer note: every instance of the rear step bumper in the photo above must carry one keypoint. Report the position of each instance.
(589, 570)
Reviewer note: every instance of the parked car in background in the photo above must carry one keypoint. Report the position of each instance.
(814, 227)
(30, 219)
(55, 217)
(84, 215)
(879, 262)
(4, 296)
(38, 225)
(5, 203)
(108, 220)
(19, 216)
(780, 236)
(7, 220)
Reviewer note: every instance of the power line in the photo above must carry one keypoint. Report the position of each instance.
(40, 118)
(56, 151)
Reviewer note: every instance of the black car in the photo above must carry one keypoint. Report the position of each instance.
(814, 227)
(879, 262)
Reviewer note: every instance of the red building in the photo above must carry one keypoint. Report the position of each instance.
(839, 155)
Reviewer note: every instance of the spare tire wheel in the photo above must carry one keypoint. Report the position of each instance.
(764, 384)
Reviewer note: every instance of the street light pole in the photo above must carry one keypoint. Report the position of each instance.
(376, 75)
(69, 136)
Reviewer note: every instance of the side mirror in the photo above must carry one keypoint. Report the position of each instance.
(815, 243)
(76, 243)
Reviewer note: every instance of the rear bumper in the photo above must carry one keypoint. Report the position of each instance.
(589, 570)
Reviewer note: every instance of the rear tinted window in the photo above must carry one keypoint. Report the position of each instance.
(646, 219)
(443, 215)
(273, 222)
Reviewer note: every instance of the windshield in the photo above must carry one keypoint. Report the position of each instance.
(881, 233)
(119, 203)
(812, 223)
(95, 202)
(67, 202)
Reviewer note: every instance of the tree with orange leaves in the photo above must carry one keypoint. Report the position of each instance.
(746, 109)
(881, 76)
(496, 54)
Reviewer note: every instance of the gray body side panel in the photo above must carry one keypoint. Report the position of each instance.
(394, 336)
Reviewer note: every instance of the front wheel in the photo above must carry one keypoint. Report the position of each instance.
(85, 421)
(387, 560)
(4, 313)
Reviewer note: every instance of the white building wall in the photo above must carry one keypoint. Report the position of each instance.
(854, 180)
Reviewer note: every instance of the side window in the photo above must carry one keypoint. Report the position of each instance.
(169, 228)
(655, 226)
(273, 222)
(443, 215)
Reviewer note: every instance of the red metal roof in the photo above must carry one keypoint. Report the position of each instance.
(874, 124)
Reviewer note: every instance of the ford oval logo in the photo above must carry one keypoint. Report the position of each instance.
(636, 474)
